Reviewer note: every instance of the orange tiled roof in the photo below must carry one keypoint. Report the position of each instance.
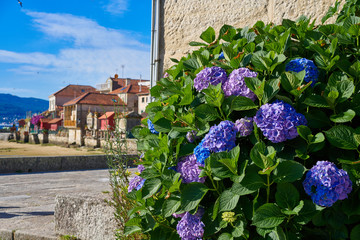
(95, 98)
(132, 88)
(45, 120)
(73, 90)
(55, 120)
(107, 115)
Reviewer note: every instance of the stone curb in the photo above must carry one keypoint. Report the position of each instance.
(22, 235)
(55, 163)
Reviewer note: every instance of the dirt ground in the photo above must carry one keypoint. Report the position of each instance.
(26, 149)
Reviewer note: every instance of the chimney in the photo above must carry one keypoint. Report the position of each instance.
(116, 76)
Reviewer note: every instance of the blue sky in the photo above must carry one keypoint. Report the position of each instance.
(46, 45)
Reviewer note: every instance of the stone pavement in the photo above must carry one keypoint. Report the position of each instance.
(27, 201)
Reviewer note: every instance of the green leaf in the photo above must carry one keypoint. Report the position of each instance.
(316, 101)
(343, 117)
(304, 132)
(216, 208)
(188, 96)
(292, 80)
(162, 125)
(256, 86)
(268, 216)
(271, 88)
(191, 64)
(262, 155)
(250, 183)
(225, 236)
(287, 196)
(288, 171)
(346, 89)
(355, 69)
(317, 119)
(151, 186)
(191, 195)
(258, 61)
(195, 44)
(241, 103)
(227, 33)
(208, 35)
(277, 234)
(128, 230)
(206, 112)
(354, 30)
(214, 95)
(170, 206)
(228, 201)
(306, 213)
(224, 164)
(355, 233)
(342, 136)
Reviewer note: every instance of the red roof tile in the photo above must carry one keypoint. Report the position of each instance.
(107, 115)
(55, 120)
(95, 98)
(73, 90)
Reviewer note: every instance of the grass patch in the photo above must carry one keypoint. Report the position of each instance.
(68, 237)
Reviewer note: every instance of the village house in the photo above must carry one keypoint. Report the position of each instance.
(77, 110)
(57, 99)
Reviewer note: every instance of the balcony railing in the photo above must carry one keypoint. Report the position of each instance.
(69, 123)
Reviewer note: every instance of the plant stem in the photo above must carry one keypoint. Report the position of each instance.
(213, 183)
(268, 188)
(222, 113)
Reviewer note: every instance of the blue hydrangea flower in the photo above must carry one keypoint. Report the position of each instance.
(278, 121)
(136, 182)
(221, 137)
(201, 153)
(221, 56)
(189, 169)
(244, 126)
(151, 127)
(190, 227)
(236, 86)
(326, 184)
(298, 65)
(211, 75)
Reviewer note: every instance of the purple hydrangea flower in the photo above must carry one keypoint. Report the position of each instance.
(236, 86)
(278, 121)
(298, 65)
(140, 168)
(326, 184)
(211, 75)
(136, 182)
(151, 127)
(166, 74)
(189, 169)
(191, 136)
(221, 137)
(201, 153)
(244, 126)
(190, 227)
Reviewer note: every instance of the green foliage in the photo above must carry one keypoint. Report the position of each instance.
(258, 180)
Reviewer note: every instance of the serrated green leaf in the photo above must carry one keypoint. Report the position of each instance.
(268, 216)
(304, 132)
(170, 206)
(208, 35)
(228, 201)
(346, 116)
(342, 136)
(288, 171)
(316, 101)
(151, 186)
(241, 103)
(287, 196)
(206, 112)
(192, 194)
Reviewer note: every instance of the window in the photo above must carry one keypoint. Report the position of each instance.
(142, 99)
(146, 99)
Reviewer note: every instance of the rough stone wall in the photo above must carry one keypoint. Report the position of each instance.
(183, 21)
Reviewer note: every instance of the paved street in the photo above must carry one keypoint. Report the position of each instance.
(27, 201)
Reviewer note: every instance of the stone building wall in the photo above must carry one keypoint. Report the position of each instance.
(183, 21)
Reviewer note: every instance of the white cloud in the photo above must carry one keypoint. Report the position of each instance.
(93, 53)
(116, 6)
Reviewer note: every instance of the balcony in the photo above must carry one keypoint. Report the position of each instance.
(69, 123)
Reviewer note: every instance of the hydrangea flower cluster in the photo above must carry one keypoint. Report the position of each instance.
(140, 168)
(201, 153)
(278, 121)
(189, 169)
(136, 182)
(221, 137)
(236, 86)
(326, 184)
(211, 75)
(191, 136)
(190, 227)
(244, 126)
(298, 65)
(151, 127)
(221, 56)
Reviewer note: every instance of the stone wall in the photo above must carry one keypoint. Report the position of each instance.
(183, 21)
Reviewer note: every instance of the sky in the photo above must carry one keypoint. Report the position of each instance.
(47, 45)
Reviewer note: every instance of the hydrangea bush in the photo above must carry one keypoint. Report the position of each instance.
(255, 135)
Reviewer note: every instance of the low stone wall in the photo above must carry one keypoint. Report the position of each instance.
(85, 217)
(54, 139)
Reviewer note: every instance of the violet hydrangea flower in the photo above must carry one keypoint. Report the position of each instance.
(136, 182)
(190, 227)
(191, 136)
(211, 75)
(151, 127)
(201, 153)
(140, 168)
(299, 64)
(221, 137)
(244, 126)
(278, 121)
(236, 86)
(189, 169)
(326, 184)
